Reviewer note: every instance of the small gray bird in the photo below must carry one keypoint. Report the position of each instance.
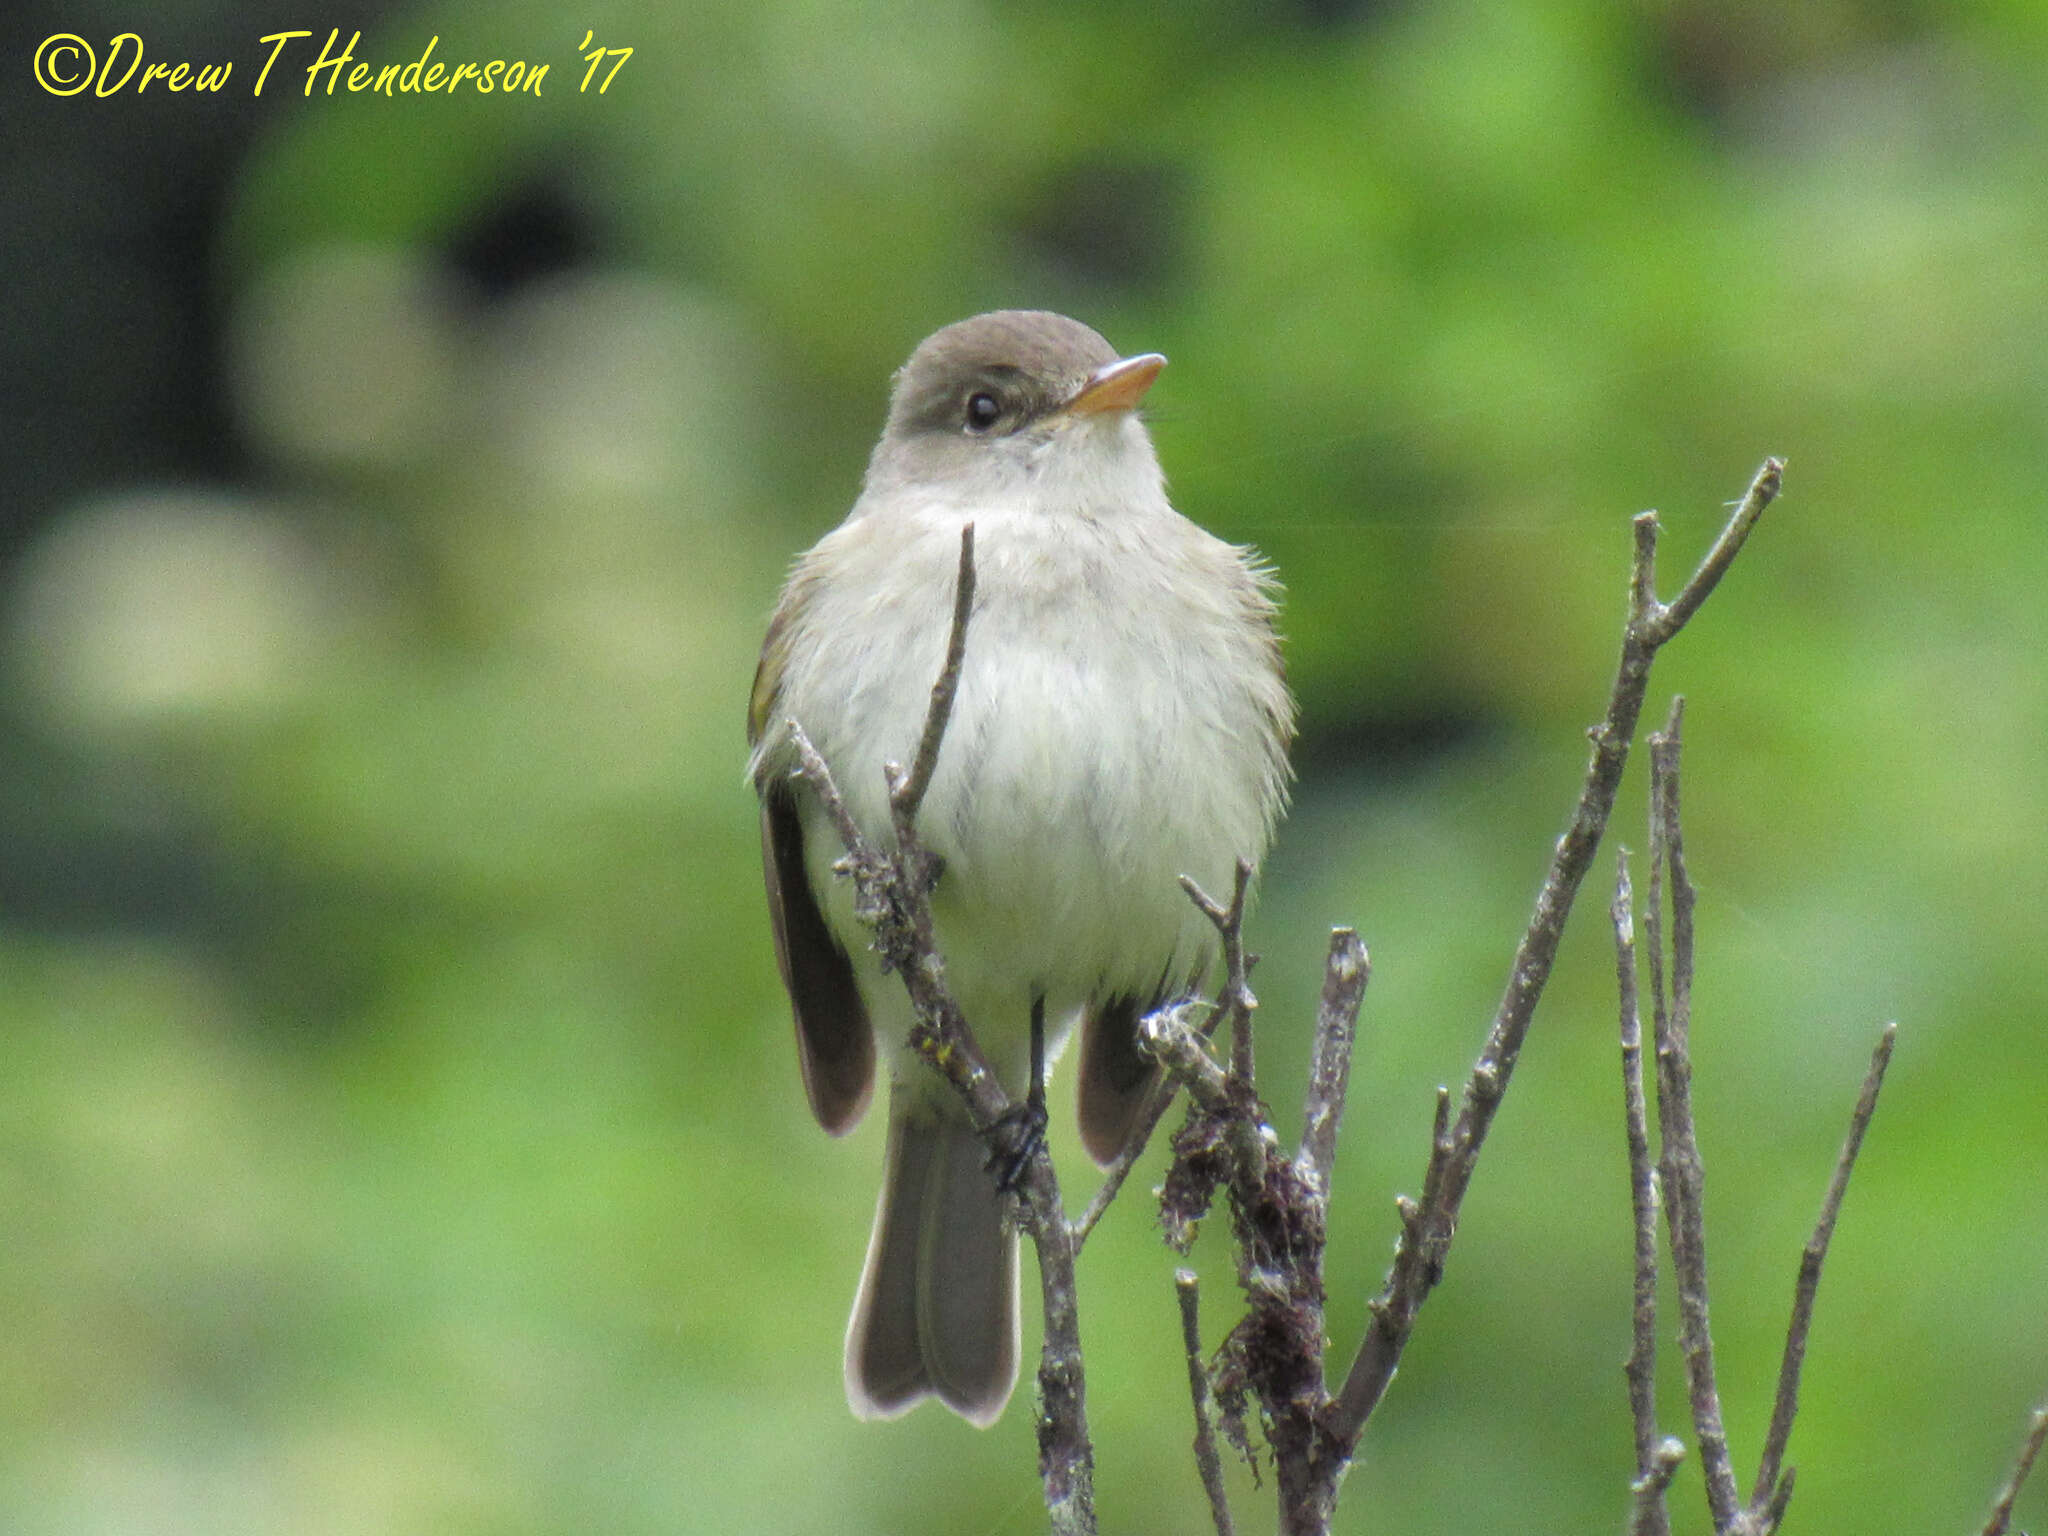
(1122, 719)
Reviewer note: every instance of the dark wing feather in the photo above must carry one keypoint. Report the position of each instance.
(1115, 1075)
(835, 1044)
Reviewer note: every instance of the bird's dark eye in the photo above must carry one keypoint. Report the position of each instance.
(983, 411)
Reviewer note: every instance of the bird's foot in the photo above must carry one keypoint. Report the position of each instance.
(1013, 1141)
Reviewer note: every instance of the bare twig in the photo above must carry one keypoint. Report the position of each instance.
(1187, 1287)
(1142, 1126)
(1275, 1352)
(1651, 1517)
(812, 766)
(1345, 975)
(906, 792)
(1763, 490)
(1765, 1506)
(1762, 1522)
(1235, 999)
(1232, 1096)
(1278, 1208)
(2001, 1512)
(893, 893)
(1681, 1179)
(1066, 1456)
(1426, 1240)
(1684, 1175)
(1647, 1512)
(1177, 1044)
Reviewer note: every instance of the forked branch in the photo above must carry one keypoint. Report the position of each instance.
(1454, 1152)
(1679, 1177)
(1276, 1353)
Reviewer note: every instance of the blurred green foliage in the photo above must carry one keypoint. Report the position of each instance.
(400, 1130)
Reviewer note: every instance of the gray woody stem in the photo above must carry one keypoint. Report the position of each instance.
(2001, 1512)
(1235, 998)
(1428, 1227)
(1278, 1208)
(1187, 1287)
(1646, 1510)
(1234, 1001)
(906, 792)
(893, 892)
(1345, 975)
(1766, 1503)
(1656, 1459)
(1113, 1177)
(1681, 1178)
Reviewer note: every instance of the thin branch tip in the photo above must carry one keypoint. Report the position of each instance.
(1346, 973)
(1648, 1517)
(1208, 1464)
(907, 791)
(2023, 1464)
(1773, 1514)
(1666, 1457)
(1209, 907)
(1639, 1369)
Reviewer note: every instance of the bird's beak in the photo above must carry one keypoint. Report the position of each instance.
(1117, 386)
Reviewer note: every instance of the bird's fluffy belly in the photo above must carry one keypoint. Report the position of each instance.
(1088, 760)
(1060, 809)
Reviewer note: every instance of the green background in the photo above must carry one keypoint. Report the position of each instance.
(399, 1126)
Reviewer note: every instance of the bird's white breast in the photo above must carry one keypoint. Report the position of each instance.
(1113, 730)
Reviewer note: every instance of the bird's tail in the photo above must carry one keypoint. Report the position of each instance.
(937, 1310)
